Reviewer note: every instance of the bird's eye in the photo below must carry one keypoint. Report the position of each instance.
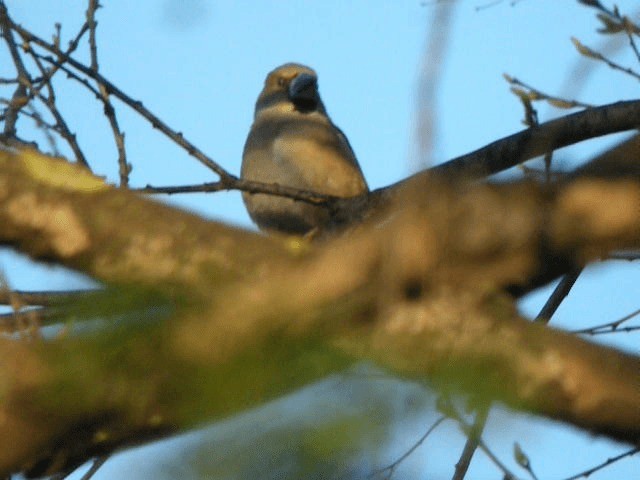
(281, 82)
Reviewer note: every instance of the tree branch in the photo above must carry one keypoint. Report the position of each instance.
(419, 293)
(155, 121)
(533, 142)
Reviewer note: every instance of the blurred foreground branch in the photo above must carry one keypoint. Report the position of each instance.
(221, 319)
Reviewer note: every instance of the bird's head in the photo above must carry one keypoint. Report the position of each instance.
(291, 87)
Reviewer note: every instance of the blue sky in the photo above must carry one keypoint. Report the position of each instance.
(200, 64)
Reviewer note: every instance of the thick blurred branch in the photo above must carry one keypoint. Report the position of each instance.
(417, 289)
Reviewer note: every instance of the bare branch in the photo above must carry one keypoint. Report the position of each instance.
(559, 133)
(19, 98)
(390, 469)
(474, 435)
(534, 94)
(155, 121)
(61, 125)
(587, 473)
(592, 54)
(109, 111)
(559, 294)
(473, 431)
(609, 327)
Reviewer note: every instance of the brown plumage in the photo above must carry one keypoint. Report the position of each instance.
(293, 142)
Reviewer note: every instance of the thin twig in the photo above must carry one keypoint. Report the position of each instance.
(91, 21)
(507, 474)
(136, 105)
(474, 435)
(531, 115)
(61, 125)
(619, 22)
(45, 80)
(23, 96)
(124, 168)
(534, 94)
(97, 463)
(631, 329)
(391, 467)
(559, 294)
(19, 98)
(47, 75)
(70, 74)
(447, 408)
(245, 186)
(594, 55)
(8, 81)
(45, 127)
(606, 463)
(609, 327)
(632, 42)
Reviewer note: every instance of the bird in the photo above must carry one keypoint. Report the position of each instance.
(293, 142)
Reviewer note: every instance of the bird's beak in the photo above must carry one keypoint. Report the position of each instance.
(304, 88)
